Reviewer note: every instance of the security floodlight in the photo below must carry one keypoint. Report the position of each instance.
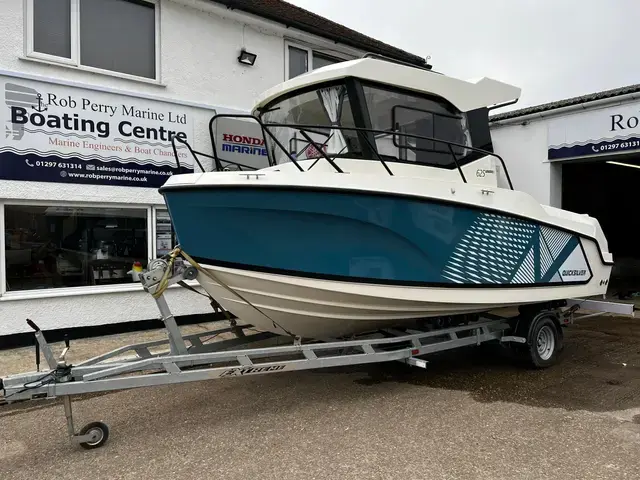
(247, 58)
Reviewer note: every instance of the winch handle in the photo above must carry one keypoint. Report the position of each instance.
(33, 325)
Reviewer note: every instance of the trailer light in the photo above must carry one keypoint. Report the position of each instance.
(415, 351)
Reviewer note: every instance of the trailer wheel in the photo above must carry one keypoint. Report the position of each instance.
(100, 433)
(544, 342)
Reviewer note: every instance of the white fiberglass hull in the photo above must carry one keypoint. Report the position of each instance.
(321, 309)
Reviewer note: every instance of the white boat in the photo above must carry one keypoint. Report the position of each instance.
(382, 204)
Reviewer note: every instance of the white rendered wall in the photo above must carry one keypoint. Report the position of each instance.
(198, 57)
(199, 64)
(524, 150)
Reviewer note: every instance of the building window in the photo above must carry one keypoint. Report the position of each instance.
(165, 235)
(298, 61)
(320, 60)
(61, 246)
(114, 35)
(301, 60)
(52, 27)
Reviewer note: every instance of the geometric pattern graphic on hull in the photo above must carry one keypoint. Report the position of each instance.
(384, 239)
(505, 250)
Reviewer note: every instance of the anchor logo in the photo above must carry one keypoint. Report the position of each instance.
(42, 107)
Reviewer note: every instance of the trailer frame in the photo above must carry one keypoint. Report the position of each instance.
(536, 332)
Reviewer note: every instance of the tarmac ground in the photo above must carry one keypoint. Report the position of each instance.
(473, 414)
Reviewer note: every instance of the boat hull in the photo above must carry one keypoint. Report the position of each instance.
(323, 260)
(369, 238)
(324, 309)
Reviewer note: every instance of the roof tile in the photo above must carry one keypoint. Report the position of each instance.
(592, 97)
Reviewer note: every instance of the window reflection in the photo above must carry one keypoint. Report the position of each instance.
(53, 247)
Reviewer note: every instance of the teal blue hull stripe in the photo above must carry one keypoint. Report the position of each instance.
(356, 236)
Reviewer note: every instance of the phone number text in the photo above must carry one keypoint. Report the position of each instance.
(49, 164)
(616, 146)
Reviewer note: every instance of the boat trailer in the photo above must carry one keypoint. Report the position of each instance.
(536, 333)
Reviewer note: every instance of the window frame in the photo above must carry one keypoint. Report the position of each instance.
(362, 119)
(310, 54)
(461, 160)
(70, 291)
(434, 116)
(75, 60)
(154, 219)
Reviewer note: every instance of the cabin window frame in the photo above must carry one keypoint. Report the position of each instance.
(362, 118)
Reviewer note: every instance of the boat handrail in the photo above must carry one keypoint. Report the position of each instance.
(422, 66)
(304, 129)
(195, 154)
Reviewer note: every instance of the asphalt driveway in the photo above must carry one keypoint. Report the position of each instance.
(473, 414)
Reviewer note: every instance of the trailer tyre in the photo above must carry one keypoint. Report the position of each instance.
(544, 342)
(99, 430)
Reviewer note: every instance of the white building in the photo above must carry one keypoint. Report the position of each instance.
(92, 92)
(582, 154)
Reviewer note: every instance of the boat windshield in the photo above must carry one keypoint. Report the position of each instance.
(401, 113)
(323, 108)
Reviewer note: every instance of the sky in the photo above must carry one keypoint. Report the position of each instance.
(552, 49)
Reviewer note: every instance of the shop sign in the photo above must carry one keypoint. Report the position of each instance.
(58, 133)
(240, 144)
(602, 131)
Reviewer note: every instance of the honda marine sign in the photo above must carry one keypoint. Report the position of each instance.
(240, 144)
(57, 133)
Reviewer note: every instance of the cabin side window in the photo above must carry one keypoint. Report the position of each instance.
(408, 115)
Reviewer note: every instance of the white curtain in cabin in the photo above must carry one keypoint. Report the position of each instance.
(332, 99)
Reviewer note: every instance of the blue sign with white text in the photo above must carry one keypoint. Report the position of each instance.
(56, 133)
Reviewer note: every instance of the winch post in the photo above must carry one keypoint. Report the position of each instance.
(176, 342)
(155, 280)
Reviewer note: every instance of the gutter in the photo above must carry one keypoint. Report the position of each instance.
(287, 31)
(524, 119)
(318, 31)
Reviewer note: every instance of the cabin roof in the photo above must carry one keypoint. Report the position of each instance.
(462, 94)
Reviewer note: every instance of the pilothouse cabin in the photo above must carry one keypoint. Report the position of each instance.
(400, 116)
